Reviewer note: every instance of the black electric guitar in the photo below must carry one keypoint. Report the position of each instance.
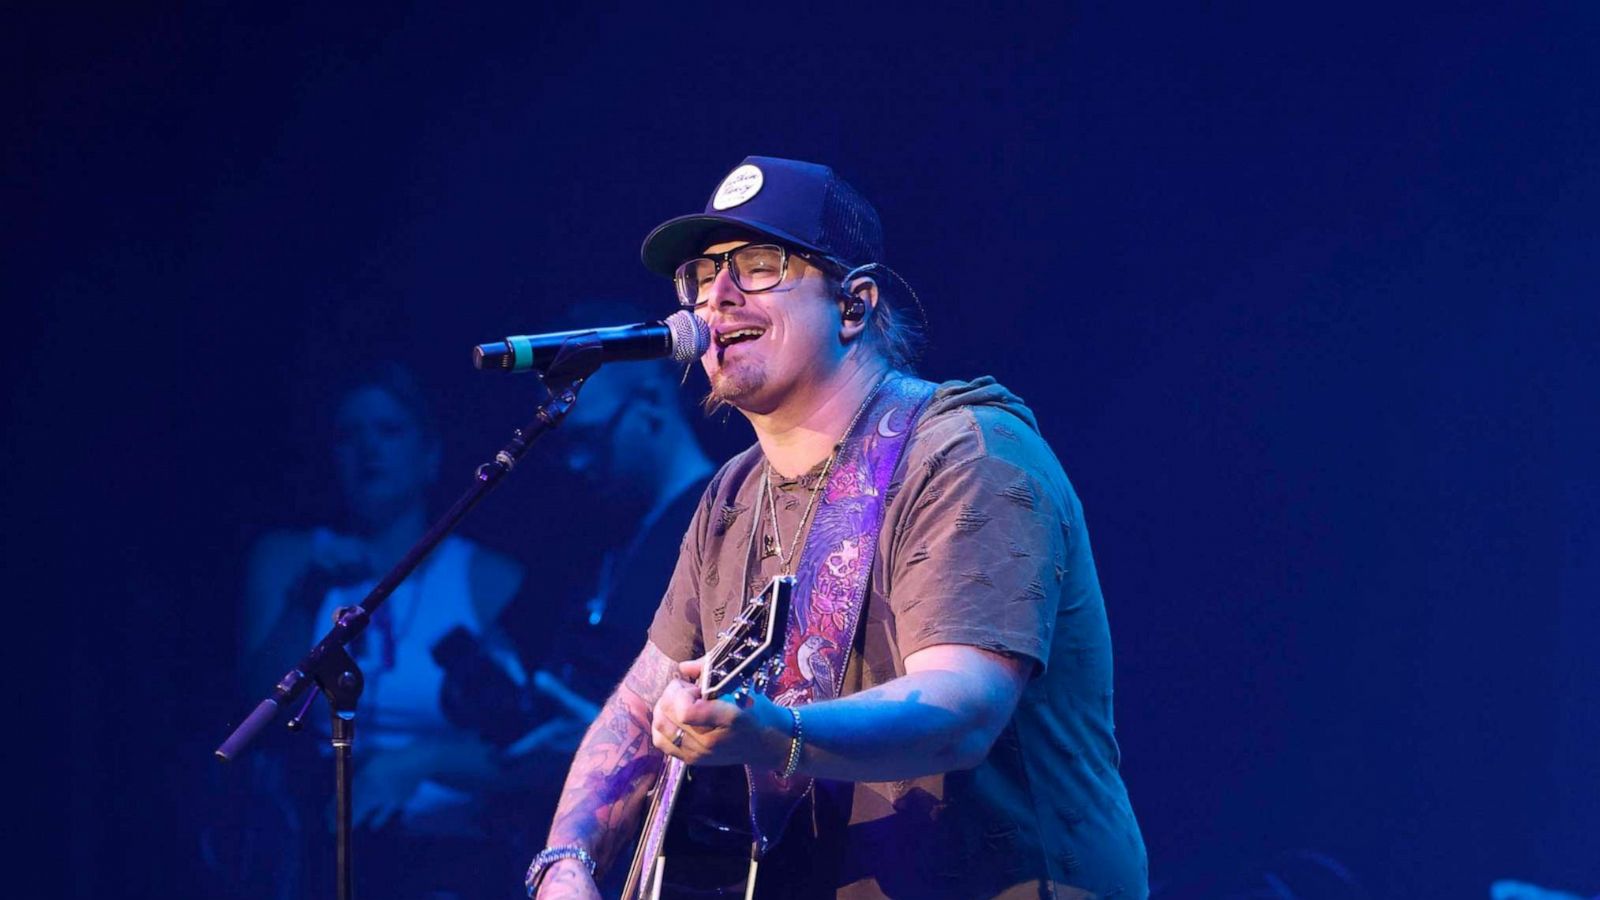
(748, 654)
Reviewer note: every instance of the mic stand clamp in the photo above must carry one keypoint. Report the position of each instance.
(338, 678)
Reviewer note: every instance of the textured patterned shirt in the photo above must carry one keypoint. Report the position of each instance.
(983, 544)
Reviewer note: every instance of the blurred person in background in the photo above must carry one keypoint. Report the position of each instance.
(444, 693)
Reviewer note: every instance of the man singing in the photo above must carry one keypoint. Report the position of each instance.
(943, 725)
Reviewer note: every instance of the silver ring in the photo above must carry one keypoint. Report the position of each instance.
(677, 739)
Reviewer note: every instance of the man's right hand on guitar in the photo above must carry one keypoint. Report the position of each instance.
(718, 732)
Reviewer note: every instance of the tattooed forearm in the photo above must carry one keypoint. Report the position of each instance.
(650, 674)
(615, 764)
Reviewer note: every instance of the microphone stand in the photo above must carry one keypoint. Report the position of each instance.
(329, 670)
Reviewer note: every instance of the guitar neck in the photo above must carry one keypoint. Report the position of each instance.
(642, 875)
(742, 651)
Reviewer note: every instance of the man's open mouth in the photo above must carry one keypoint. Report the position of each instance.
(738, 336)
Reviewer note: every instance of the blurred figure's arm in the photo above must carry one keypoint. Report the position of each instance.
(272, 626)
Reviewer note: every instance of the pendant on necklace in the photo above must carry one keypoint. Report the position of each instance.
(769, 546)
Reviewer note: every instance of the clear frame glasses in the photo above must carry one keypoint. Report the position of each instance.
(753, 267)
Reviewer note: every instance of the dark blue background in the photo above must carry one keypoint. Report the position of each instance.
(1306, 301)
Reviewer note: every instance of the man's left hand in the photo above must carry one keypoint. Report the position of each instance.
(719, 732)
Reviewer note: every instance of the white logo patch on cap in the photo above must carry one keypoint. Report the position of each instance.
(740, 185)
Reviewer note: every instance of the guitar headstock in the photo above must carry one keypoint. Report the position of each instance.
(750, 649)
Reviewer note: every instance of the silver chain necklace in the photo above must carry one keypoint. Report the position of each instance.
(785, 560)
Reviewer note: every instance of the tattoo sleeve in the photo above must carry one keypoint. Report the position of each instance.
(615, 764)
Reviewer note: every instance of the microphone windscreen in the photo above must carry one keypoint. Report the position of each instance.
(691, 338)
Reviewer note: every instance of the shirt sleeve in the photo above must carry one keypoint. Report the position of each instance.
(977, 560)
(675, 630)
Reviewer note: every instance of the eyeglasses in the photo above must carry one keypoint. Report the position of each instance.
(753, 267)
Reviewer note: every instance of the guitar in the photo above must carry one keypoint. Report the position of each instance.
(748, 654)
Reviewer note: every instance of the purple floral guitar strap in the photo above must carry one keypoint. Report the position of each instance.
(831, 589)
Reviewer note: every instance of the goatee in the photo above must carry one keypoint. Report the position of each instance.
(728, 388)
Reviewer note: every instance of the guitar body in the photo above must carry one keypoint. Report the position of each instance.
(748, 653)
(708, 842)
(707, 847)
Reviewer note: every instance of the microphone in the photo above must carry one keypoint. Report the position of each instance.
(682, 337)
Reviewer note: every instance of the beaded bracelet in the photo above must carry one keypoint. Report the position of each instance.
(797, 739)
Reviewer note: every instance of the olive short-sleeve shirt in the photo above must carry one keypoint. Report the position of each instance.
(983, 544)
